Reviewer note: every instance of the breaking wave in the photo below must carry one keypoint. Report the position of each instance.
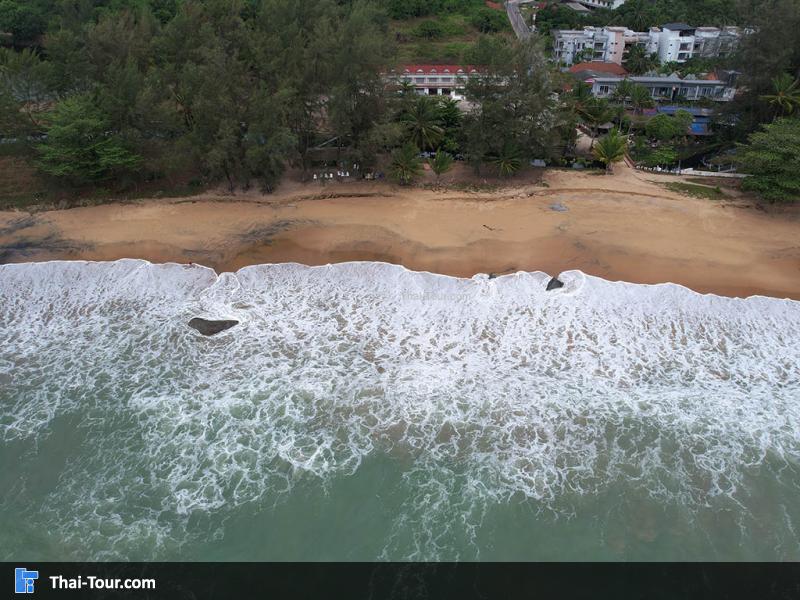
(482, 392)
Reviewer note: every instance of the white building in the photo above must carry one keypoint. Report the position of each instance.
(611, 4)
(601, 44)
(671, 88)
(674, 42)
(437, 80)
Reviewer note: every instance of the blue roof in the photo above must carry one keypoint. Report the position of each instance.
(697, 112)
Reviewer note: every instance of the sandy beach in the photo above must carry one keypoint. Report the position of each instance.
(626, 226)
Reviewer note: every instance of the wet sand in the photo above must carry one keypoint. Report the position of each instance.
(621, 227)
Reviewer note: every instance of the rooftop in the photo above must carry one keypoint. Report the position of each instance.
(598, 67)
(660, 79)
(678, 27)
(577, 7)
(438, 69)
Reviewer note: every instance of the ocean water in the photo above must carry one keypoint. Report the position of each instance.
(361, 411)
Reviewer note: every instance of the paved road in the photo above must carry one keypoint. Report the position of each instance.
(517, 22)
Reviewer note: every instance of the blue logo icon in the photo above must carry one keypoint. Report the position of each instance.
(23, 580)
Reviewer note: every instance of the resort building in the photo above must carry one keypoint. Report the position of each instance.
(600, 44)
(672, 88)
(673, 42)
(610, 4)
(437, 80)
(679, 42)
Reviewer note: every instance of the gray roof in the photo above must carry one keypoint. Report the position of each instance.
(677, 27)
(577, 7)
(667, 79)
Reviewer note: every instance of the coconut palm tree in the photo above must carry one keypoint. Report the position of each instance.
(610, 149)
(440, 164)
(786, 96)
(618, 112)
(640, 99)
(422, 123)
(595, 114)
(580, 97)
(507, 159)
(406, 165)
(639, 61)
(623, 91)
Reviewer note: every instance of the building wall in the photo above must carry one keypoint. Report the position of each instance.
(442, 80)
(675, 46)
(669, 89)
(603, 3)
(610, 44)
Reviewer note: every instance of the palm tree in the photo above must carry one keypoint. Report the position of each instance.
(449, 113)
(595, 114)
(422, 122)
(440, 164)
(618, 113)
(508, 159)
(640, 99)
(786, 96)
(581, 97)
(623, 91)
(406, 95)
(610, 149)
(406, 165)
(638, 17)
(406, 89)
(639, 61)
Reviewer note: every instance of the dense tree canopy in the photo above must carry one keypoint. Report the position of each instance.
(240, 90)
(772, 51)
(640, 15)
(242, 87)
(772, 156)
(407, 9)
(81, 145)
(514, 111)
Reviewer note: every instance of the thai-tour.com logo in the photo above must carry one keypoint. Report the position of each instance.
(24, 580)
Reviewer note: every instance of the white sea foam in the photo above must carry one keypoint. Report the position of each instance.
(489, 390)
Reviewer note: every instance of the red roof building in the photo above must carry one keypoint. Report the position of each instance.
(440, 69)
(437, 80)
(599, 67)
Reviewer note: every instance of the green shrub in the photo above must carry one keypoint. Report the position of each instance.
(487, 20)
(429, 30)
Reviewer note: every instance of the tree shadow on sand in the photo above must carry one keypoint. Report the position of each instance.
(27, 245)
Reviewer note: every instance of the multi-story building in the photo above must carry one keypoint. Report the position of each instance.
(611, 4)
(437, 80)
(711, 42)
(671, 88)
(674, 42)
(601, 44)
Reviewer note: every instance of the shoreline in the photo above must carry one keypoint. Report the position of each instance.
(491, 276)
(625, 227)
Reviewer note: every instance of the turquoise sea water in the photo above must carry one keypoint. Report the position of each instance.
(365, 412)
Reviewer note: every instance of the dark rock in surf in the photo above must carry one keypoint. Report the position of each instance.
(554, 284)
(207, 327)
